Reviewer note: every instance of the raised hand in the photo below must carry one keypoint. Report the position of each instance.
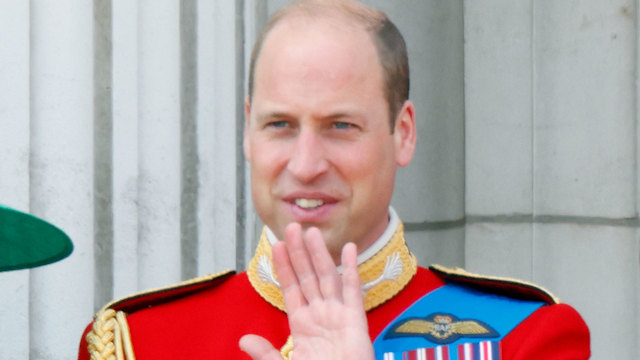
(326, 313)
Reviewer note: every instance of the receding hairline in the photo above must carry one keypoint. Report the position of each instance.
(354, 12)
(343, 12)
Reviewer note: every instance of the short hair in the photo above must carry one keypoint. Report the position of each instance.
(389, 44)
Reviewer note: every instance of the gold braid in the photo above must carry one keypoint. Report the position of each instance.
(109, 338)
(287, 349)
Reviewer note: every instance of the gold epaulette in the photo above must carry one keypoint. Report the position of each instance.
(109, 337)
(500, 285)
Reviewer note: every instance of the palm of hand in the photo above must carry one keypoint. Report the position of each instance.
(329, 325)
(326, 312)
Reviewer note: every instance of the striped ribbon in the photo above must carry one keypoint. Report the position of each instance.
(484, 350)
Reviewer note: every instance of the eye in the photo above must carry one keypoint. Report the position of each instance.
(341, 125)
(278, 124)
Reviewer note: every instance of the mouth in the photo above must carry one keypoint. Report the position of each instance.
(309, 204)
(310, 208)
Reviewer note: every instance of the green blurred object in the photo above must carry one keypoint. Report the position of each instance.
(27, 241)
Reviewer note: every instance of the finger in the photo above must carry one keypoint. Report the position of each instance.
(259, 348)
(301, 262)
(351, 289)
(325, 268)
(293, 297)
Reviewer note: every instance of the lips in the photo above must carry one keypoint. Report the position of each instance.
(307, 207)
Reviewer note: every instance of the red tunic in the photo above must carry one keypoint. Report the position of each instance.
(206, 321)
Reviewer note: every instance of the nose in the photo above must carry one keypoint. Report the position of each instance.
(308, 160)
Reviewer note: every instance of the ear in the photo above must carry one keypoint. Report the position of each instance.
(246, 144)
(405, 134)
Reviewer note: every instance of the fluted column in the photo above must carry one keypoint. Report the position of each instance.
(159, 143)
(61, 168)
(14, 167)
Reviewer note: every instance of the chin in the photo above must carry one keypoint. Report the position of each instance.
(334, 242)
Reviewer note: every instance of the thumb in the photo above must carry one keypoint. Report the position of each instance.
(259, 348)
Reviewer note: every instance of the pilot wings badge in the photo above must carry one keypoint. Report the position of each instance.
(441, 328)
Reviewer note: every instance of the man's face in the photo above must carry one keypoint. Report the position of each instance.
(318, 137)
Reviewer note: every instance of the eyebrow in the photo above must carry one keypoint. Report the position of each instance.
(278, 115)
(339, 113)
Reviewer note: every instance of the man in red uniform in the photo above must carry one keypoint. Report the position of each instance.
(328, 121)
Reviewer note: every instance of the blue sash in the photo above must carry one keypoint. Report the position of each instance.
(452, 321)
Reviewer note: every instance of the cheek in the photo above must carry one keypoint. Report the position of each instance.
(366, 166)
(262, 177)
(267, 162)
(374, 171)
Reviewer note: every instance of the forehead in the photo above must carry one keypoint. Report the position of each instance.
(325, 52)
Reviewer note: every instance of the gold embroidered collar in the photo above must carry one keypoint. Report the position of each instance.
(383, 275)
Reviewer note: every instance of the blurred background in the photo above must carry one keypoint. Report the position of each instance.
(121, 122)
